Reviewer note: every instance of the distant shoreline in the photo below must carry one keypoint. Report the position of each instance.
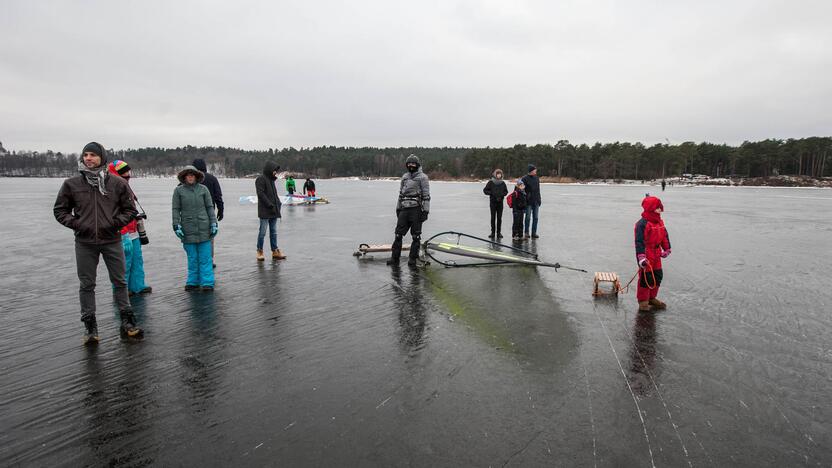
(773, 182)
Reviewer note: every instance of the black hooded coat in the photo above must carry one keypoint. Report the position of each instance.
(213, 186)
(268, 203)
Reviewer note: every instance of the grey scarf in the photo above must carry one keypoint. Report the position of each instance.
(95, 177)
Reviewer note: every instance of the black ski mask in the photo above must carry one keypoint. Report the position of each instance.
(412, 167)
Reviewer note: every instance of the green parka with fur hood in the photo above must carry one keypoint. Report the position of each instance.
(193, 208)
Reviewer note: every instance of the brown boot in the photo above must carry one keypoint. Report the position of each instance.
(260, 256)
(644, 306)
(657, 304)
(278, 255)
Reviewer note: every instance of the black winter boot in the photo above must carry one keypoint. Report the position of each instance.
(91, 335)
(128, 325)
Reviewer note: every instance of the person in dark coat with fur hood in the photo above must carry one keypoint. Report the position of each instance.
(268, 210)
(496, 190)
(96, 206)
(195, 224)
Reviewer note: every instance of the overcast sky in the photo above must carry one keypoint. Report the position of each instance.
(428, 73)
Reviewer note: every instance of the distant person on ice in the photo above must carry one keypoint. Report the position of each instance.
(496, 190)
(290, 185)
(216, 195)
(309, 188)
(664, 184)
(412, 210)
(268, 209)
(132, 246)
(532, 183)
(195, 224)
(518, 202)
(96, 206)
(652, 245)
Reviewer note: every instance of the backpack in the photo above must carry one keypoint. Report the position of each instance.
(510, 199)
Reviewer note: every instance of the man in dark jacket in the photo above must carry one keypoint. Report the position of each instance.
(216, 194)
(532, 184)
(411, 210)
(268, 210)
(309, 187)
(96, 206)
(496, 190)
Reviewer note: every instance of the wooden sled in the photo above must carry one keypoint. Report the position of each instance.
(606, 277)
(364, 249)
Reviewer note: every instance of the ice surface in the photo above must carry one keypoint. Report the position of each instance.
(323, 359)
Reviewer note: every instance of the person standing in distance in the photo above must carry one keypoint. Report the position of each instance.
(97, 206)
(496, 190)
(532, 183)
(412, 210)
(268, 210)
(216, 195)
(309, 187)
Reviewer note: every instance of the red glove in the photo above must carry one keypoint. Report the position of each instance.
(665, 253)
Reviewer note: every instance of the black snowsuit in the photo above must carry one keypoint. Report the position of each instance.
(411, 210)
(496, 189)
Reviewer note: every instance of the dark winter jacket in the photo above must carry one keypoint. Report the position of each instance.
(520, 200)
(496, 189)
(532, 184)
(414, 191)
(308, 185)
(95, 218)
(192, 208)
(268, 203)
(213, 186)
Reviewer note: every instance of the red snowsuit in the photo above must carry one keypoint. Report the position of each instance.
(131, 227)
(651, 241)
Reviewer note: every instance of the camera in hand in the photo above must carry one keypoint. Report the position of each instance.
(142, 232)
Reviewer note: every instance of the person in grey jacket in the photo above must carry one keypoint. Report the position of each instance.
(195, 224)
(96, 206)
(412, 209)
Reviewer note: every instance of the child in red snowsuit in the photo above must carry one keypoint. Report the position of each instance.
(652, 245)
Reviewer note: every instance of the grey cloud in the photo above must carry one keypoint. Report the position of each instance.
(278, 74)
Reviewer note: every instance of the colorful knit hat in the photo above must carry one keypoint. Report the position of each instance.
(118, 167)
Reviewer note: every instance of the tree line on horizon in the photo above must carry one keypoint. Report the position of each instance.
(770, 157)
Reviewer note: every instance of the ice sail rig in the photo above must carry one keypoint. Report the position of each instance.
(457, 249)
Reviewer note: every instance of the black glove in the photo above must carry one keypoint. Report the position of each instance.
(424, 216)
(219, 214)
(141, 216)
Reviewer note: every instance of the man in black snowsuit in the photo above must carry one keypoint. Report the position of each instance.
(216, 194)
(412, 210)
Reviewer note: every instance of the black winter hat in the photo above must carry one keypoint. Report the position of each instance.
(532, 167)
(94, 147)
(413, 159)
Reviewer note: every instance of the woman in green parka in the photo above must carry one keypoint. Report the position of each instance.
(195, 224)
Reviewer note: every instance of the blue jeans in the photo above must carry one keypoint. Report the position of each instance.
(272, 224)
(200, 264)
(134, 264)
(531, 211)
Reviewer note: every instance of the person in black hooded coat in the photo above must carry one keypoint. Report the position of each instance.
(268, 210)
(216, 194)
